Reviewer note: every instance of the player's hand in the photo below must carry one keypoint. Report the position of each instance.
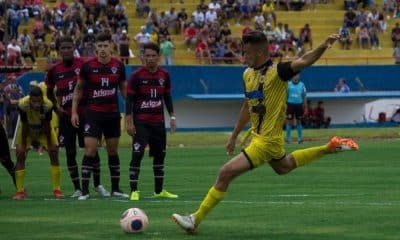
(230, 145)
(172, 124)
(130, 127)
(75, 120)
(331, 40)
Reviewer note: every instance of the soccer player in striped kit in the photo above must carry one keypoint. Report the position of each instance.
(63, 76)
(100, 78)
(149, 88)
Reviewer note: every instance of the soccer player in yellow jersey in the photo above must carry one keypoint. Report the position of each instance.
(35, 114)
(264, 106)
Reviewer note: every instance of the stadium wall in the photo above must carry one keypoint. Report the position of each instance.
(222, 113)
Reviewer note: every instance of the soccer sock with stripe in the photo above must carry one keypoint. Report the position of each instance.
(158, 171)
(305, 156)
(212, 198)
(96, 170)
(113, 165)
(87, 168)
(134, 168)
(19, 179)
(55, 172)
(73, 170)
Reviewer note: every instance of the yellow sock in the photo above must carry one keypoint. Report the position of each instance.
(20, 179)
(305, 156)
(55, 172)
(212, 198)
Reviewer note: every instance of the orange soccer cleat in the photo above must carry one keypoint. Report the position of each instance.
(338, 144)
(58, 194)
(19, 195)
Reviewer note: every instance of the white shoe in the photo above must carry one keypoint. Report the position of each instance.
(76, 194)
(102, 191)
(119, 195)
(84, 197)
(187, 223)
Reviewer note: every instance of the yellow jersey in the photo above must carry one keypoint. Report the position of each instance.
(35, 118)
(268, 127)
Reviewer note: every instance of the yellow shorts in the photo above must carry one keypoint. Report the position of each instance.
(260, 151)
(39, 137)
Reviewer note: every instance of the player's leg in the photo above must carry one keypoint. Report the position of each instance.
(139, 142)
(299, 112)
(20, 152)
(67, 137)
(289, 122)
(91, 132)
(235, 167)
(157, 143)
(112, 140)
(5, 157)
(55, 170)
(302, 157)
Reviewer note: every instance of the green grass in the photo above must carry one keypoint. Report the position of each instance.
(353, 195)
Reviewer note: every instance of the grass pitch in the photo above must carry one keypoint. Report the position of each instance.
(352, 195)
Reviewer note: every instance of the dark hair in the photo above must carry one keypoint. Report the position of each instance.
(152, 46)
(103, 36)
(65, 39)
(254, 37)
(35, 92)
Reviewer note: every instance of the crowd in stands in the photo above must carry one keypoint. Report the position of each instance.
(205, 31)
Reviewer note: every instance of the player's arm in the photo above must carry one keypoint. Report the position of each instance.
(312, 56)
(129, 103)
(76, 98)
(122, 82)
(170, 108)
(244, 117)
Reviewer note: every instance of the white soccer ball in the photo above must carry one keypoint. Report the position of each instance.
(134, 220)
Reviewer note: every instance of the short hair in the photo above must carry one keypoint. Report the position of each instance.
(254, 37)
(35, 92)
(103, 36)
(152, 46)
(64, 39)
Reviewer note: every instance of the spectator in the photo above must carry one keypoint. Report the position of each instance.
(53, 54)
(396, 53)
(141, 38)
(190, 36)
(14, 54)
(320, 119)
(211, 16)
(373, 33)
(268, 12)
(202, 51)
(26, 50)
(308, 120)
(13, 21)
(395, 35)
(305, 36)
(245, 11)
(172, 20)
(198, 17)
(341, 86)
(350, 18)
(363, 36)
(182, 20)
(142, 8)
(123, 47)
(166, 50)
(345, 37)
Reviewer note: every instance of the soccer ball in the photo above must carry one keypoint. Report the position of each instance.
(134, 220)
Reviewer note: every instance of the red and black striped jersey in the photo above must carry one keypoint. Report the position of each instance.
(101, 84)
(64, 79)
(148, 89)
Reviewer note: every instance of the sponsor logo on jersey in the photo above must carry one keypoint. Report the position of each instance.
(77, 71)
(136, 146)
(151, 104)
(66, 99)
(103, 93)
(161, 81)
(61, 76)
(114, 70)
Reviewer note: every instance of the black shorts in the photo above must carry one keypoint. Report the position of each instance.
(294, 111)
(68, 133)
(98, 123)
(151, 134)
